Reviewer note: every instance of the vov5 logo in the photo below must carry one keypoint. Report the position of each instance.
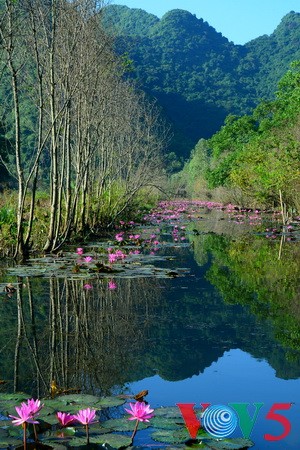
(221, 420)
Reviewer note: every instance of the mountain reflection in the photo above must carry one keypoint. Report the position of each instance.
(238, 295)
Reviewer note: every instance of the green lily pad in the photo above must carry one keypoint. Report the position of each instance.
(169, 412)
(17, 398)
(79, 398)
(46, 411)
(171, 436)
(230, 444)
(197, 443)
(124, 424)
(9, 442)
(167, 423)
(113, 440)
(109, 402)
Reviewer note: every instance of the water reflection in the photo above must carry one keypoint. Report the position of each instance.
(238, 295)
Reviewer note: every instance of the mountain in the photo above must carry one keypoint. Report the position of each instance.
(197, 75)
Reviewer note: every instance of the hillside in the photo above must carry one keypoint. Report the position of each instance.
(196, 74)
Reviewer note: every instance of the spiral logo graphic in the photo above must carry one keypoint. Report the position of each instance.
(220, 421)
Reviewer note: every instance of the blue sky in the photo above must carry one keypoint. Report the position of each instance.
(238, 20)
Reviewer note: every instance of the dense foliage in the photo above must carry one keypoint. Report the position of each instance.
(197, 75)
(77, 129)
(255, 156)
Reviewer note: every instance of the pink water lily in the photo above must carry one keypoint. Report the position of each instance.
(112, 285)
(25, 415)
(87, 286)
(88, 259)
(86, 417)
(65, 418)
(119, 237)
(34, 406)
(79, 251)
(112, 257)
(140, 411)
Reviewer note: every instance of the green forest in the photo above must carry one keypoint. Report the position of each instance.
(106, 109)
(196, 74)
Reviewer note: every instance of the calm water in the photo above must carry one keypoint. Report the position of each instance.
(222, 328)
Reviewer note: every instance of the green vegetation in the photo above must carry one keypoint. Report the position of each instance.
(268, 288)
(77, 131)
(255, 157)
(197, 75)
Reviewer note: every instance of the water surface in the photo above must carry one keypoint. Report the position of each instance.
(221, 327)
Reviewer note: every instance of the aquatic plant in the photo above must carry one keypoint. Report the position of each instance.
(86, 417)
(140, 412)
(65, 419)
(26, 414)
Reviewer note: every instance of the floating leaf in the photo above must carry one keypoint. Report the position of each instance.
(230, 444)
(58, 405)
(124, 424)
(113, 440)
(18, 397)
(170, 412)
(171, 436)
(167, 423)
(109, 402)
(85, 399)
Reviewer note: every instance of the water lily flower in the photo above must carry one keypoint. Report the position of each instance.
(87, 286)
(79, 251)
(140, 411)
(119, 237)
(86, 417)
(25, 415)
(65, 418)
(112, 257)
(112, 285)
(34, 406)
(88, 259)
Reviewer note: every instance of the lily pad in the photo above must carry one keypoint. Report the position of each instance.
(79, 398)
(109, 402)
(171, 436)
(124, 424)
(113, 440)
(18, 397)
(167, 423)
(169, 412)
(230, 444)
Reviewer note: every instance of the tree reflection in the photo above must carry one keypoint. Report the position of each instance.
(248, 272)
(85, 339)
(237, 295)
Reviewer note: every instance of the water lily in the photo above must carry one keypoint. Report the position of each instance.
(65, 418)
(86, 417)
(87, 286)
(24, 417)
(112, 285)
(112, 257)
(140, 412)
(34, 406)
(88, 259)
(79, 251)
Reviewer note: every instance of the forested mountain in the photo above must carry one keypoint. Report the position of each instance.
(197, 75)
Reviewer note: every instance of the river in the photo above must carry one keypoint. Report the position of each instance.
(203, 307)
